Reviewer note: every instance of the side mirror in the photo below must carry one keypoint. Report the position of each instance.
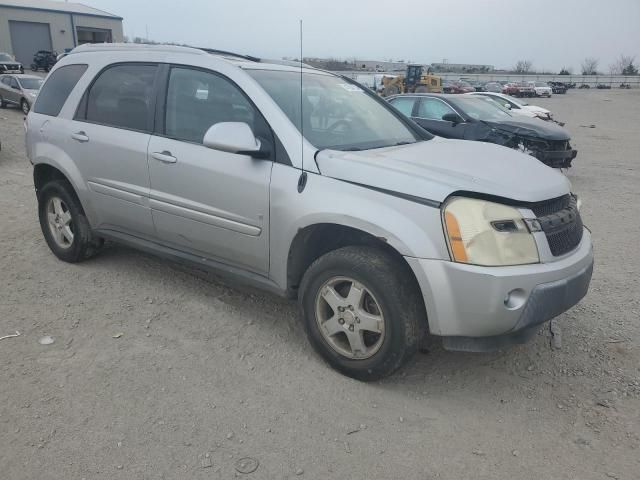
(452, 117)
(507, 106)
(233, 137)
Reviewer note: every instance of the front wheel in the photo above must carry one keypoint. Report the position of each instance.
(34, 67)
(362, 311)
(25, 106)
(64, 224)
(3, 104)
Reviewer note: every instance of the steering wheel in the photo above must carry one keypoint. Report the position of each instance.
(339, 123)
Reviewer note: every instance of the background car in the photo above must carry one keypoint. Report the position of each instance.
(558, 87)
(519, 90)
(518, 106)
(541, 89)
(9, 65)
(493, 87)
(466, 117)
(20, 91)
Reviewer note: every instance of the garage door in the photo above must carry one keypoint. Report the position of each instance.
(27, 38)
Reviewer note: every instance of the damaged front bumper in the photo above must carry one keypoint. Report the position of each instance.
(556, 158)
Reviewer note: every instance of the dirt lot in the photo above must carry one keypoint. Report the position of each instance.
(204, 374)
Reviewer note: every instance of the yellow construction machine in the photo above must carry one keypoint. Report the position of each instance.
(418, 79)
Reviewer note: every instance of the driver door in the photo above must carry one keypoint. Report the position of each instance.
(208, 202)
(429, 115)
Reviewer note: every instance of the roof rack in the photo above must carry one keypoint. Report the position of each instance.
(230, 54)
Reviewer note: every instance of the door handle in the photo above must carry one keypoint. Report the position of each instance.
(80, 136)
(164, 157)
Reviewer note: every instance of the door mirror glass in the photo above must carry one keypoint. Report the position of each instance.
(232, 137)
(452, 117)
(507, 106)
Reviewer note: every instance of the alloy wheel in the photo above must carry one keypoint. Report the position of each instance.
(60, 224)
(349, 318)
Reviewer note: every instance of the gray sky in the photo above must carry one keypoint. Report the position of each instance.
(550, 33)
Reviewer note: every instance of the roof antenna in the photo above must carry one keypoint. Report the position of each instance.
(302, 181)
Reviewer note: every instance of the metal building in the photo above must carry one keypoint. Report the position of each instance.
(27, 26)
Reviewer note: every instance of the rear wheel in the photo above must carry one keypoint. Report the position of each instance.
(3, 104)
(362, 311)
(25, 106)
(64, 224)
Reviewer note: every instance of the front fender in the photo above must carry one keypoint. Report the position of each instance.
(412, 229)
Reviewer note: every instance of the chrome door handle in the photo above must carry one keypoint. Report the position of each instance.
(80, 137)
(164, 157)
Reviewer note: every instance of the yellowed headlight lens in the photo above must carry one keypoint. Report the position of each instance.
(485, 233)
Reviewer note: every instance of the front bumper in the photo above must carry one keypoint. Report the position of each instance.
(470, 301)
(557, 158)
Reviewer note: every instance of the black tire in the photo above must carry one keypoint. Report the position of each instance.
(24, 105)
(3, 104)
(85, 245)
(400, 301)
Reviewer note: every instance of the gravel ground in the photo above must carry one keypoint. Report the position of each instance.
(159, 372)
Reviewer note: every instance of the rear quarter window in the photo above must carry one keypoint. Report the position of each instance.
(56, 89)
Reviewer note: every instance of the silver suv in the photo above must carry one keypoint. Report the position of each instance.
(305, 184)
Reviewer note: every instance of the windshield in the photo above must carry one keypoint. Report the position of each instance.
(541, 84)
(337, 114)
(462, 83)
(5, 58)
(518, 101)
(481, 109)
(499, 102)
(31, 83)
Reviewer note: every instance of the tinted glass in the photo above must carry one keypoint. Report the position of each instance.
(57, 88)
(122, 97)
(433, 109)
(5, 58)
(31, 83)
(6, 80)
(404, 104)
(480, 109)
(196, 100)
(334, 113)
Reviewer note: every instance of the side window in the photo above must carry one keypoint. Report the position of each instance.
(56, 89)
(6, 80)
(433, 109)
(404, 104)
(122, 97)
(196, 100)
(14, 83)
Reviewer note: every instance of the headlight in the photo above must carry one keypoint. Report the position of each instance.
(487, 233)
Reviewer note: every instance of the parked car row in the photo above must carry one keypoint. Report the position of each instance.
(536, 88)
(42, 60)
(308, 185)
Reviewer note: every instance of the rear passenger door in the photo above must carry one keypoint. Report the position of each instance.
(208, 202)
(109, 137)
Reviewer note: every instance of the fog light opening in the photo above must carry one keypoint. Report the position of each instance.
(515, 299)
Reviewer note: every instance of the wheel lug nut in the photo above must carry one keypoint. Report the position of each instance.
(341, 309)
(357, 320)
(341, 321)
(351, 328)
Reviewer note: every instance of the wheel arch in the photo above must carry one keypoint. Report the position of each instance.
(313, 241)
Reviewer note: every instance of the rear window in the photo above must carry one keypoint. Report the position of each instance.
(122, 97)
(57, 88)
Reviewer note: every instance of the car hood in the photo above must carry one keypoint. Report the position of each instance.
(436, 168)
(532, 128)
(12, 63)
(533, 108)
